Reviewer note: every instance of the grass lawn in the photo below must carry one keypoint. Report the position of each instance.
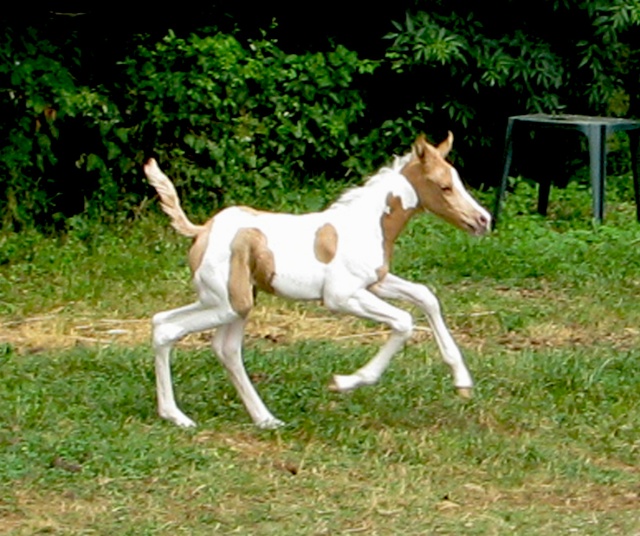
(545, 310)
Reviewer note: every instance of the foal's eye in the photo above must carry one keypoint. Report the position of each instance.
(446, 188)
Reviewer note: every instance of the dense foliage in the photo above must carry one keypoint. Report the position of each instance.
(236, 115)
(253, 117)
(230, 122)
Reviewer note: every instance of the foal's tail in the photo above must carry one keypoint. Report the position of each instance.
(169, 200)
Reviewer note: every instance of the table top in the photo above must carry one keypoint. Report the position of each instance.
(578, 120)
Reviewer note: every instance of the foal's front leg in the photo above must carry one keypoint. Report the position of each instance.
(366, 305)
(394, 287)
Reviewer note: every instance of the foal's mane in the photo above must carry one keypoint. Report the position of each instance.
(358, 192)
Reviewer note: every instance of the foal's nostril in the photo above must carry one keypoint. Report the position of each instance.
(483, 220)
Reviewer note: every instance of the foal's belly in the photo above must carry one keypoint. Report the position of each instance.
(299, 284)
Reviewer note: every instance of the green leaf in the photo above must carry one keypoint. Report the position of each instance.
(94, 162)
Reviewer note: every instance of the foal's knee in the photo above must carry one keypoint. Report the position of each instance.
(217, 344)
(225, 348)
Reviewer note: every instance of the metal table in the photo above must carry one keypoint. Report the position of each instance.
(596, 129)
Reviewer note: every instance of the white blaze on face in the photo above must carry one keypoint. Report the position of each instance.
(481, 214)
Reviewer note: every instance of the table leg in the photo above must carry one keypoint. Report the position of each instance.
(544, 187)
(634, 144)
(508, 155)
(598, 165)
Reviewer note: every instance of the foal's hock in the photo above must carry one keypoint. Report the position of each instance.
(340, 256)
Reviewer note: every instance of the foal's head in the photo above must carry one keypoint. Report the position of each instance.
(440, 189)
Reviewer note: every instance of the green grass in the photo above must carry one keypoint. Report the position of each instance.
(546, 311)
(548, 431)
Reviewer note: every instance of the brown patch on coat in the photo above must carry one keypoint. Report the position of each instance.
(381, 273)
(392, 222)
(326, 243)
(252, 265)
(199, 246)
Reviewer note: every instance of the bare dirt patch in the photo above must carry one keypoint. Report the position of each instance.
(550, 335)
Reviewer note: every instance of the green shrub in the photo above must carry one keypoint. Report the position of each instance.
(41, 101)
(238, 123)
(238, 119)
(230, 122)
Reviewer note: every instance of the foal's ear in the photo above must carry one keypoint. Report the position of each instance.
(423, 150)
(421, 147)
(445, 147)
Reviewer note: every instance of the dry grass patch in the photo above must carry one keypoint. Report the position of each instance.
(33, 511)
(279, 321)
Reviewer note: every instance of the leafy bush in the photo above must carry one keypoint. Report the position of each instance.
(41, 101)
(240, 124)
(237, 119)
(231, 122)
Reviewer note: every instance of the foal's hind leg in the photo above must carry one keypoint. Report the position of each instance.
(168, 328)
(394, 287)
(227, 345)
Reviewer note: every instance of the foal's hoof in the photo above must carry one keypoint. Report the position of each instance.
(465, 392)
(333, 386)
(270, 424)
(343, 384)
(178, 418)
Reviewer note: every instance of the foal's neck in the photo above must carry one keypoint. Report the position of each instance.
(372, 196)
(387, 201)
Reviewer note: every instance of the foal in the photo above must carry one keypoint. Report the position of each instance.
(340, 256)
